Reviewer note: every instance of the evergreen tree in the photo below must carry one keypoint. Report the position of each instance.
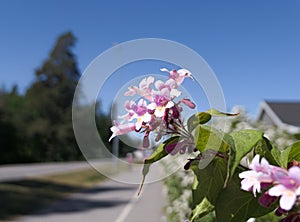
(49, 104)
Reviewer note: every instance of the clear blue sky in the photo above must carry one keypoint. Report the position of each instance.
(252, 46)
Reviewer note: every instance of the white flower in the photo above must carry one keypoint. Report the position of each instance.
(260, 173)
(288, 188)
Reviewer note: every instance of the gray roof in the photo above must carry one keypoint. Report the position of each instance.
(287, 112)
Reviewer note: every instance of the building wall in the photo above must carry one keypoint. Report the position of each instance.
(266, 119)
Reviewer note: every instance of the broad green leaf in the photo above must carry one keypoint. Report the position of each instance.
(214, 112)
(206, 137)
(244, 141)
(201, 210)
(266, 149)
(204, 117)
(277, 155)
(294, 152)
(158, 154)
(291, 153)
(236, 205)
(198, 118)
(231, 156)
(208, 181)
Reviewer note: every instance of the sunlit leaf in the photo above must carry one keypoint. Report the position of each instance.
(201, 210)
(204, 117)
(269, 151)
(214, 112)
(206, 137)
(244, 141)
(291, 153)
(198, 118)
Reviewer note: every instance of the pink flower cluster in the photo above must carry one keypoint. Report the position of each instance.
(280, 183)
(157, 110)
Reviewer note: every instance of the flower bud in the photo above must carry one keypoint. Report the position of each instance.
(266, 200)
(188, 103)
(175, 113)
(170, 147)
(279, 212)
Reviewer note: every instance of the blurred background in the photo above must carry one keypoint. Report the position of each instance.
(252, 46)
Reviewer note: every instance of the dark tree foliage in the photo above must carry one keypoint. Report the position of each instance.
(37, 126)
(12, 139)
(49, 104)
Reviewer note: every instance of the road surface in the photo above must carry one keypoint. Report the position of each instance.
(110, 201)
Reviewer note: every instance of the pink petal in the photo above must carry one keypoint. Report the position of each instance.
(142, 102)
(247, 174)
(151, 106)
(256, 188)
(277, 190)
(130, 93)
(170, 104)
(254, 162)
(294, 172)
(125, 117)
(150, 80)
(287, 200)
(159, 84)
(143, 83)
(171, 83)
(246, 185)
(147, 117)
(128, 104)
(121, 129)
(278, 173)
(175, 93)
(165, 93)
(138, 125)
(184, 72)
(264, 163)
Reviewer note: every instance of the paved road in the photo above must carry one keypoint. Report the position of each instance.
(109, 201)
(21, 171)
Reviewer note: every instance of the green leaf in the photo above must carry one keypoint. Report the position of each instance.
(277, 155)
(266, 149)
(291, 153)
(294, 153)
(158, 154)
(231, 156)
(214, 112)
(204, 117)
(236, 205)
(208, 182)
(201, 210)
(198, 118)
(206, 137)
(244, 141)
